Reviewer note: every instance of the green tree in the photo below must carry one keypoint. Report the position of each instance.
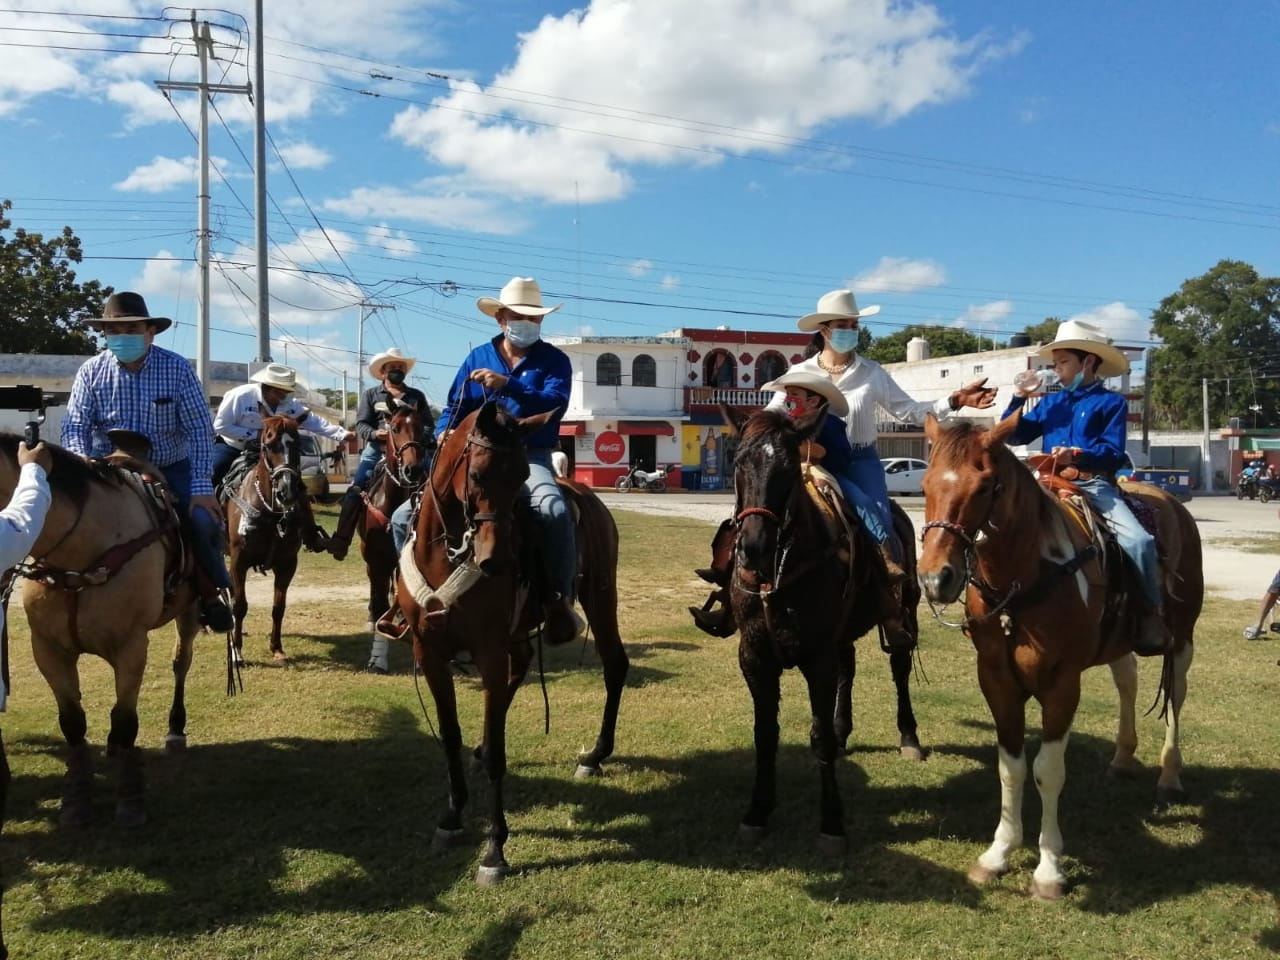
(1222, 326)
(43, 308)
(1044, 331)
(943, 342)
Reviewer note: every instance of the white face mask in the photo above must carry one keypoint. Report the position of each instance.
(523, 333)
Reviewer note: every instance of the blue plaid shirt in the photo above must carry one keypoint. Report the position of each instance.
(162, 401)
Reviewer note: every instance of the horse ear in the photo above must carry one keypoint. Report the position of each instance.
(733, 416)
(392, 404)
(301, 418)
(535, 423)
(932, 428)
(1002, 430)
(487, 416)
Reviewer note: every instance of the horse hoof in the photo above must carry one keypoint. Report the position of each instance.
(1168, 796)
(279, 656)
(585, 771)
(491, 876)
(445, 839)
(131, 813)
(750, 835)
(175, 743)
(75, 816)
(832, 845)
(1053, 890)
(911, 751)
(980, 876)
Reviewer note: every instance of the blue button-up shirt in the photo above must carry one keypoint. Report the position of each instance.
(538, 383)
(1091, 418)
(162, 401)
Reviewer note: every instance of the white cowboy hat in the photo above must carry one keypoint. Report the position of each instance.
(277, 375)
(836, 305)
(819, 384)
(520, 295)
(1078, 335)
(394, 355)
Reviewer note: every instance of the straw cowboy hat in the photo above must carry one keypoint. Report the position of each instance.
(521, 295)
(394, 355)
(836, 402)
(1078, 335)
(277, 375)
(836, 305)
(125, 306)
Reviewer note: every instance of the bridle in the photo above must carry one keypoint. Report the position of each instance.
(395, 454)
(471, 519)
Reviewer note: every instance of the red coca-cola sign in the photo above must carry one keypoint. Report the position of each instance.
(610, 447)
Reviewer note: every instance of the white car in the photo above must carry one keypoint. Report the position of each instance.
(903, 475)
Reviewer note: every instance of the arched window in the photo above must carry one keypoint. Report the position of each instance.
(644, 371)
(720, 369)
(609, 370)
(769, 366)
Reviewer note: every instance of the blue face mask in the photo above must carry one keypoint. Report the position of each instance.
(843, 340)
(127, 347)
(523, 333)
(1075, 381)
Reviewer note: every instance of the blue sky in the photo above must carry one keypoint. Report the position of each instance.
(653, 163)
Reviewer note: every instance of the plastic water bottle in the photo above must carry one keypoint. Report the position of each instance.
(1029, 382)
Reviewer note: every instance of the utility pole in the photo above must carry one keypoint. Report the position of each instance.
(371, 308)
(260, 184)
(1208, 465)
(204, 47)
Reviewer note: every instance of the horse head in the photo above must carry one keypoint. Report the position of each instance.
(484, 464)
(975, 491)
(281, 458)
(768, 479)
(407, 444)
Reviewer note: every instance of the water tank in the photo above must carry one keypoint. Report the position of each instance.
(1019, 340)
(917, 349)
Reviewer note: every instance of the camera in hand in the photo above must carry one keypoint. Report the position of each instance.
(25, 396)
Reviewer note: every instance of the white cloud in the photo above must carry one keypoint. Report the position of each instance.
(436, 203)
(638, 268)
(305, 156)
(161, 174)
(669, 282)
(899, 275)
(1122, 323)
(826, 61)
(397, 243)
(985, 315)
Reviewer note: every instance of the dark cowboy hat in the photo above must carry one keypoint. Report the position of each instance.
(130, 306)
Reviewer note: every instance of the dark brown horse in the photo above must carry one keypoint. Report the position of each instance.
(801, 592)
(402, 471)
(1041, 609)
(264, 525)
(463, 586)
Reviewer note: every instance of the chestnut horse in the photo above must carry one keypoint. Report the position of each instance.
(463, 585)
(264, 525)
(800, 594)
(402, 471)
(1040, 611)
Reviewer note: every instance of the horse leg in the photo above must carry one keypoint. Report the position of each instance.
(1007, 704)
(1124, 673)
(846, 670)
(122, 740)
(1169, 786)
(822, 741)
(285, 568)
(187, 624)
(239, 598)
(494, 671)
(440, 682)
(1058, 709)
(763, 682)
(601, 608)
(58, 666)
(908, 741)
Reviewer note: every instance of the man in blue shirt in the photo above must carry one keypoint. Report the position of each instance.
(527, 376)
(1083, 426)
(135, 385)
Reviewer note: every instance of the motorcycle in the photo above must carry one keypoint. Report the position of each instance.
(1248, 484)
(637, 478)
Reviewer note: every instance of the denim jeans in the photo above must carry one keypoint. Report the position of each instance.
(864, 486)
(223, 456)
(369, 458)
(207, 531)
(1133, 538)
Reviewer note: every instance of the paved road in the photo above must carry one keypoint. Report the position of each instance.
(1222, 520)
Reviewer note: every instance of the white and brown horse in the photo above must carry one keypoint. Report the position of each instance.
(1040, 610)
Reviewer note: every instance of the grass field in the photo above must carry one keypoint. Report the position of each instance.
(299, 822)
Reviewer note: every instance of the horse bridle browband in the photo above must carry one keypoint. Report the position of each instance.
(462, 551)
(399, 478)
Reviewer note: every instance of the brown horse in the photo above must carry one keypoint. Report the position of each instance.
(1041, 607)
(800, 594)
(264, 525)
(402, 471)
(106, 569)
(461, 588)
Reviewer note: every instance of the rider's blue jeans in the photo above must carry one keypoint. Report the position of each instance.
(369, 458)
(207, 531)
(1133, 538)
(864, 486)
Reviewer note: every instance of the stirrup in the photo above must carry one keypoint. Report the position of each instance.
(718, 624)
(392, 625)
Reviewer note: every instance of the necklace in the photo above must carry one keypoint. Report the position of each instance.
(834, 368)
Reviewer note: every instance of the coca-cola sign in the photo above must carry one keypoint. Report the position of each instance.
(610, 447)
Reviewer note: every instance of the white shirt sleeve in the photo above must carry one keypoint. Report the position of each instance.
(20, 525)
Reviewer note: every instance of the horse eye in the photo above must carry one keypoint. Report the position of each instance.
(473, 476)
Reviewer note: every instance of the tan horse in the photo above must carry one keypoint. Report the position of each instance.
(106, 569)
(1041, 608)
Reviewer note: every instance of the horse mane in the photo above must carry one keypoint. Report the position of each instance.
(962, 440)
(71, 474)
(763, 423)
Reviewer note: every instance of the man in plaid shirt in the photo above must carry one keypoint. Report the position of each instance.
(137, 386)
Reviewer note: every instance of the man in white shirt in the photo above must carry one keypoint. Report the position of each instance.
(21, 522)
(269, 393)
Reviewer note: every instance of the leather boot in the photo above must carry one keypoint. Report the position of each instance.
(352, 505)
(214, 612)
(314, 537)
(892, 569)
(562, 621)
(1153, 638)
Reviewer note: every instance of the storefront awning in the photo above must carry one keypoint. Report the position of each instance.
(572, 429)
(646, 428)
